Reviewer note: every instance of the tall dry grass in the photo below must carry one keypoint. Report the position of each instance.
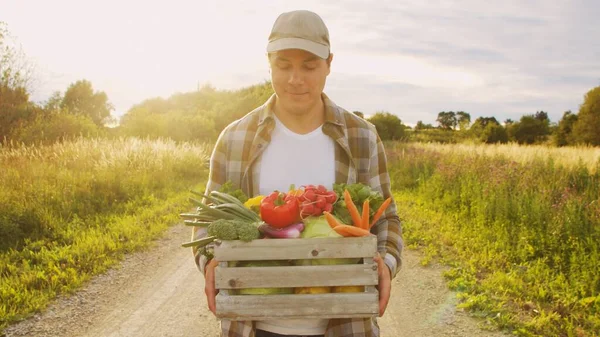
(70, 210)
(568, 156)
(519, 225)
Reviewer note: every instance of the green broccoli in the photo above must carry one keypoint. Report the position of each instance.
(247, 231)
(223, 229)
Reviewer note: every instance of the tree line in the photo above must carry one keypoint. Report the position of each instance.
(200, 115)
(581, 128)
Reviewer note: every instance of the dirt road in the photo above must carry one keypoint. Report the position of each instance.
(160, 293)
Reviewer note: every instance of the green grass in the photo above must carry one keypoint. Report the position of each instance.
(69, 211)
(521, 235)
(522, 239)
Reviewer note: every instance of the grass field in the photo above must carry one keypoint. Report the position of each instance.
(70, 211)
(519, 226)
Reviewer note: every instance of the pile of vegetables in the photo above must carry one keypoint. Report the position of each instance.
(349, 210)
(283, 219)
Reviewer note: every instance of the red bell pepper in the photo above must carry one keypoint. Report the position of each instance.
(280, 209)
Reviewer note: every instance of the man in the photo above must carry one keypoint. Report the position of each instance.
(326, 145)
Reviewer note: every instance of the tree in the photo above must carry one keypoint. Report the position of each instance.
(494, 133)
(193, 116)
(530, 129)
(80, 99)
(586, 130)
(52, 105)
(54, 128)
(542, 116)
(480, 125)
(464, 120)
(15, 70)
(447, 120)
(564, 132)
(15, 77)
(14, 108)
(422, 126)
(389, 126)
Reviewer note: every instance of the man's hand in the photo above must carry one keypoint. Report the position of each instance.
(385, 284)
(209, 285)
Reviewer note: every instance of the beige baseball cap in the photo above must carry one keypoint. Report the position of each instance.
(300, 30)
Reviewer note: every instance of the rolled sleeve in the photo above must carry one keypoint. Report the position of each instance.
(388, 229)
(390, 243)
(392, 263)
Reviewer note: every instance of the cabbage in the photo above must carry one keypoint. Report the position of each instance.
(317, 227)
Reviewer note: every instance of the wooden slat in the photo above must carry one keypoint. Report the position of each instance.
(257, 307)
(370, 262)
(295, 276)
(285, 249)
(222, 265)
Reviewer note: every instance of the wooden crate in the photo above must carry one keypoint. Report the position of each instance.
(284, 306)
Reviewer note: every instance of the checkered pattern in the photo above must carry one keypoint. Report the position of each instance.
(360, 157)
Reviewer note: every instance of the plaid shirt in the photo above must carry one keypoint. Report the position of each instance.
(359, 158)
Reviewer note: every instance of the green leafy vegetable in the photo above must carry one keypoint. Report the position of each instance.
(237, 193)
(359, 193)
(317, 227)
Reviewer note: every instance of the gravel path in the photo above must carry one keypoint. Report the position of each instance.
(159, 292)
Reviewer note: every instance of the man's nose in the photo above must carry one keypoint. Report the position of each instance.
(295, 77)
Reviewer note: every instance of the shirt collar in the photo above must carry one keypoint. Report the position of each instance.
(332, 112)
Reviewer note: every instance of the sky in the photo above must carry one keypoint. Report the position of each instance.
(414, 59)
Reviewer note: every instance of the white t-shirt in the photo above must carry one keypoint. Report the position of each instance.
(291, 158)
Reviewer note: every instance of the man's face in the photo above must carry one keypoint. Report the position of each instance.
(298, 78)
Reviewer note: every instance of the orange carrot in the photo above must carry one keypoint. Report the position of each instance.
(364, 224)
(346, 230)
(331, 220)
(380, 211)
(352, 209)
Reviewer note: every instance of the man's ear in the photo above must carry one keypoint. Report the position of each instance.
(328, 61)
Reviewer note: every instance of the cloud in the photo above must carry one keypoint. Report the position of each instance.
(507, 58)
(414, 59)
